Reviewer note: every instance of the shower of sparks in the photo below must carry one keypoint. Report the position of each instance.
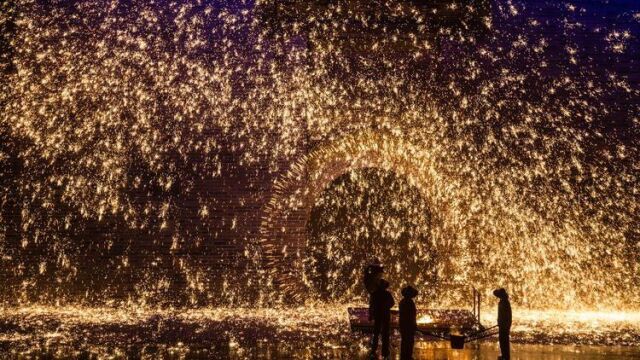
(250, 332)
(344, 236)
(120, 117)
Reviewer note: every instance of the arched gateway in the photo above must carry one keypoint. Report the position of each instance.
(283, 228)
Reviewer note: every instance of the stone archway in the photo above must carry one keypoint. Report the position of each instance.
(284, 225)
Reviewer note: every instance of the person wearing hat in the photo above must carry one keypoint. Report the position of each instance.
(504, 322)
(382, 302)
(408, 323)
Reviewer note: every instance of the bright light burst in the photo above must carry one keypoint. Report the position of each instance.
(132, 120)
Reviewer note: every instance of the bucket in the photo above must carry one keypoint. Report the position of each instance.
(457, 341)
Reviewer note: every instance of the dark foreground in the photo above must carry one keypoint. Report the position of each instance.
(303, 333)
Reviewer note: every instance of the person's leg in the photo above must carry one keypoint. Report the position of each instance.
(503, 338)
(507, 346)
(406, 347)
(374, 338)
(385, 338)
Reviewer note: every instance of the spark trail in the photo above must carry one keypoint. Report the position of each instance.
(118, 116)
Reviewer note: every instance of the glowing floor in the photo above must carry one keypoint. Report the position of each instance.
(320, 332)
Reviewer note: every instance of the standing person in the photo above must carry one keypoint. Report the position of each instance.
(504, 322)
(382, 304)
(408, 323)
(372, 276)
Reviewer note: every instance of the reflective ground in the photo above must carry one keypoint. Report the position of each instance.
(424, 350)
(304, 333)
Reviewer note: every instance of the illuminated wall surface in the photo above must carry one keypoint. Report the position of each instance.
(211, 152)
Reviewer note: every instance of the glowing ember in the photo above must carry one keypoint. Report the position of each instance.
(424, 319)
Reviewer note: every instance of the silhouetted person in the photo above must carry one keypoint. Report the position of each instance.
(504, 322)
(382, 302)
(372, 277)
(408, 324)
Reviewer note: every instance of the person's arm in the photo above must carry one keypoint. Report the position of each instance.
(504, 314)
(414, 315)
(372, 307)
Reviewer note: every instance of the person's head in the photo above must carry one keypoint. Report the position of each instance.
(377, 266)
(501, 294)
(409, 292)
(377, 275)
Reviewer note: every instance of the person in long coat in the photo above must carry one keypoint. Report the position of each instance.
(372, 276)
(408, 323)
(504, 323)
(382, 304)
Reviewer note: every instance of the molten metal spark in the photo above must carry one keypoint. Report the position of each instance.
(119, 116)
